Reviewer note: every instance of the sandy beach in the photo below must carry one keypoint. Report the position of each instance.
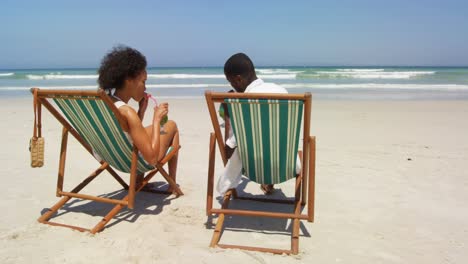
(391, 187)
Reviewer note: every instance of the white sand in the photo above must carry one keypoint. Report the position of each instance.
(373, 204)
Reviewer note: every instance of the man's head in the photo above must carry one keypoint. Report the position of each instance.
(239, 71)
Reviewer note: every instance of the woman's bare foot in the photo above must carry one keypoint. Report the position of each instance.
(267, 188)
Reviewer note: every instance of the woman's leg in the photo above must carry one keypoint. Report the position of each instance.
(168, 138)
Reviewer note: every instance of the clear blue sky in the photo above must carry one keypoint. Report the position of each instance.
(45, 33)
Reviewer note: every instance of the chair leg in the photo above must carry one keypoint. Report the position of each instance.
(311, 201)
(304, 179)
(219, 225)
(297, 189)
(107, 218)
(63, 157)
(295, 236)
(295, 226)
(51, 211)
(217, 232)
(211, 163)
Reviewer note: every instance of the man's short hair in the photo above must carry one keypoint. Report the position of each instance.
(239, 64)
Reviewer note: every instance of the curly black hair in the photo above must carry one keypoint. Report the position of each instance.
(120, 63)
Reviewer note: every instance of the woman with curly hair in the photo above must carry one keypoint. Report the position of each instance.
(123, 75)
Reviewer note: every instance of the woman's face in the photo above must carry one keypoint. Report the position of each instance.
(139, 86)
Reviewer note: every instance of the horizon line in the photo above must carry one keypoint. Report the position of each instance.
(260, 66)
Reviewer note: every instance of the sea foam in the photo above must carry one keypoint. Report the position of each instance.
(277, 71)
(394, 86)
(153, 76)
(216, 76)
(186, 76)
(60, 76)
(5, 74)
(360, 70)
(370, 74)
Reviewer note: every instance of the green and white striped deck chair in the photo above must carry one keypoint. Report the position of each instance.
(267, 128)
(268, 138)
(97, 124)
(92, 118)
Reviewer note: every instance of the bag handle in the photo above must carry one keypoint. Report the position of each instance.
(37, 116)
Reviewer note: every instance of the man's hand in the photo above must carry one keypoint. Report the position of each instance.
(228, 151)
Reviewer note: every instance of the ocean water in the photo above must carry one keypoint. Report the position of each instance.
(400, 83)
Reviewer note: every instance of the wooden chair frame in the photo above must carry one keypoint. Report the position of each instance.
(305, 182)
(43, 97)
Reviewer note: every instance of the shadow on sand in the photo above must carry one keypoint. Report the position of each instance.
(146, 203)
(261, 225)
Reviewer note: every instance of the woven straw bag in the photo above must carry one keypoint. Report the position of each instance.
(36, 144)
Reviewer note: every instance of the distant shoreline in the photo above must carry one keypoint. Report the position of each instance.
(257, 66)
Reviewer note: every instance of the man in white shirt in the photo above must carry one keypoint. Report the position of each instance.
(240, 72)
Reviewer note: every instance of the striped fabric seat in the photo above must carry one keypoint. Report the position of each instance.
(99, 127)
(267, 134)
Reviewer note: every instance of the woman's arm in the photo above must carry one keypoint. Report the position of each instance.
(148, 145)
